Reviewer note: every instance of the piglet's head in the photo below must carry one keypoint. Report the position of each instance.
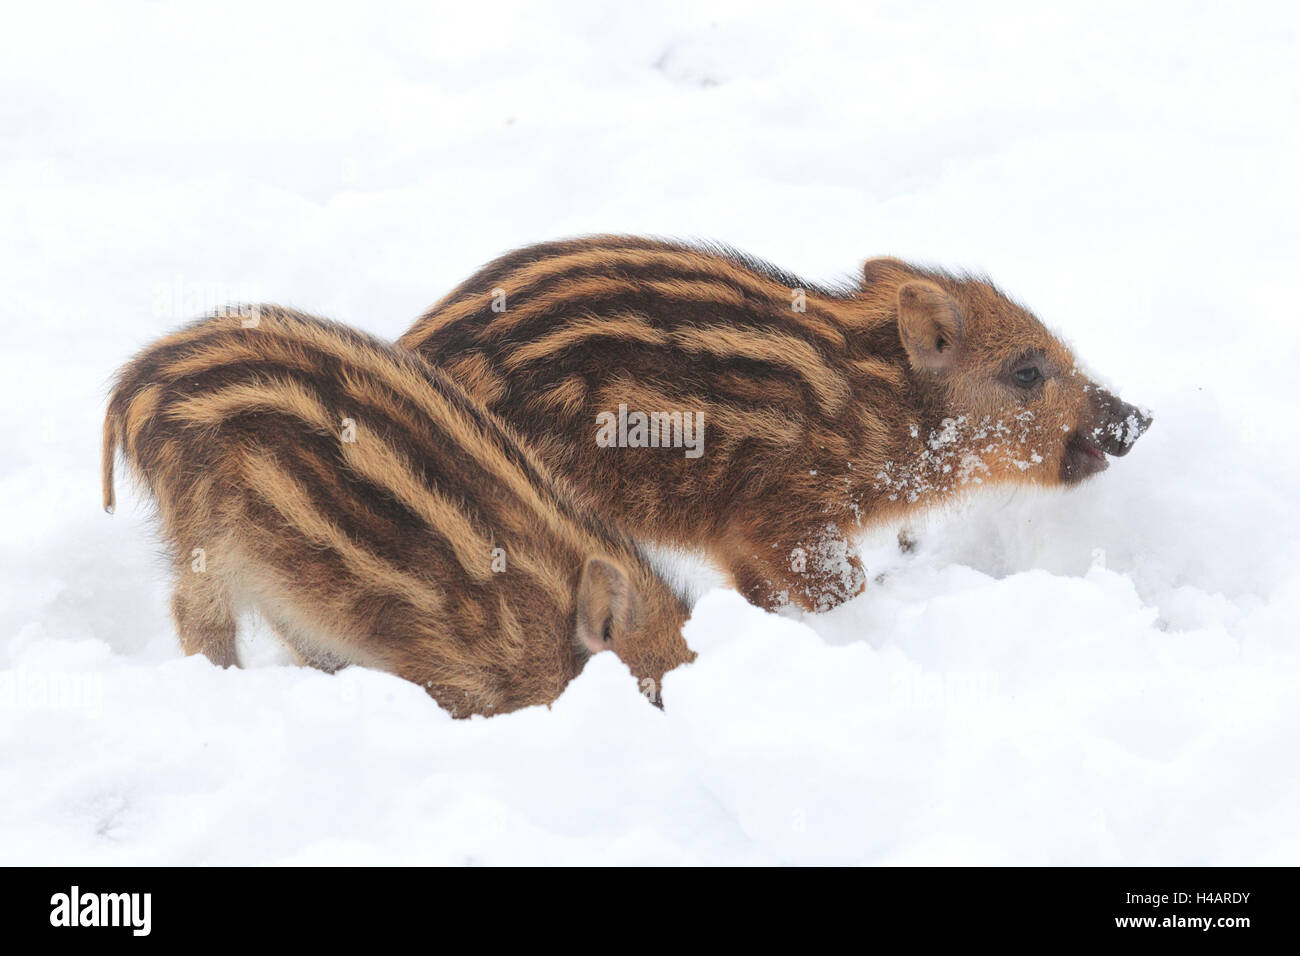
(630, 610)
(1014, 402)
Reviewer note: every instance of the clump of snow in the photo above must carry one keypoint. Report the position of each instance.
(955, 456)
(1108, 675)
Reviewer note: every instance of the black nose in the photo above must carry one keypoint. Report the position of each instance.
(1119, 424)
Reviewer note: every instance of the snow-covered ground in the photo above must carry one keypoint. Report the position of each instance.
(1107, 676)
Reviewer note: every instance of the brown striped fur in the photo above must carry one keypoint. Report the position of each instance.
(872, 401)
(377, 550)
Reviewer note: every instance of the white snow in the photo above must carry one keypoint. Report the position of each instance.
(1104, 676)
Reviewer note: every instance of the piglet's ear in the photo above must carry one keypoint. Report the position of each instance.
(604, 598)
(930, 324)
(885, 270)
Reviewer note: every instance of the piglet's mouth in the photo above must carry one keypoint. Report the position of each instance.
(1084, 457)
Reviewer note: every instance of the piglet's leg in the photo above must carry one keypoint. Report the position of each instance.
(816, 572)
(204, 617)
(307, 652)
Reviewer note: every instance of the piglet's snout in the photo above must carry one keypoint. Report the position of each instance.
(1119, 424)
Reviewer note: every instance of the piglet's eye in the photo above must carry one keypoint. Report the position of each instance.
(1027, 376)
